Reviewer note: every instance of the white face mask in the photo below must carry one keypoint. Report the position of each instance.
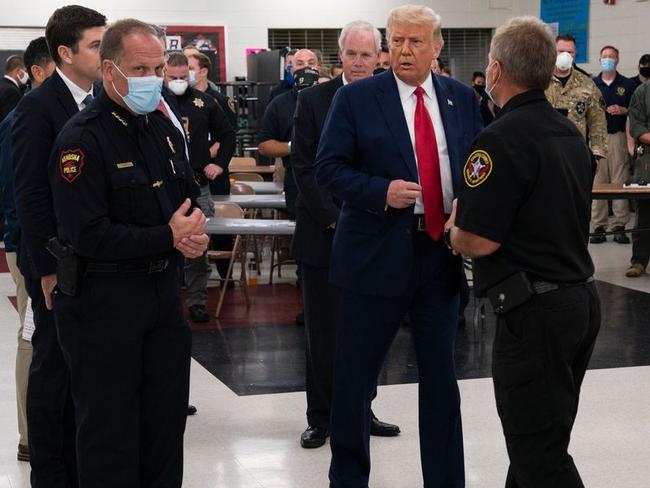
(193, 80)
(178, 87)
(24, 78)
(564, 61)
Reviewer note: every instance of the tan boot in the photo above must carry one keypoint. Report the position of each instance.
(635, 270)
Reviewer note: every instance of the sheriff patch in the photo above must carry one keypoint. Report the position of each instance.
(71, 163)
(198, 102)
(620, 91)
(581, 107)
(477, 168)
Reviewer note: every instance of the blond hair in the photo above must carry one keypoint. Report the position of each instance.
(526, 51)
(415, 14)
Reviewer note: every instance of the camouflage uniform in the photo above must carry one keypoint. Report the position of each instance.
(639, 116)
(583, 101)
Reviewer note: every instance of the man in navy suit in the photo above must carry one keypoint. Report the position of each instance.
(316, 214)
(73, 35)
(392, 149)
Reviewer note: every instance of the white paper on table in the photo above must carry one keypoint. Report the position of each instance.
(29, 327)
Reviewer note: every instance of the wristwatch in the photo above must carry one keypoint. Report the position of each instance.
(447, 235)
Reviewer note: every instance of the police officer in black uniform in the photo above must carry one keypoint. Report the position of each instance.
(205, 123)
(121, 187)
(524, 215)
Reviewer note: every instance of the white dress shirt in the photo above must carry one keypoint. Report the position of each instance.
(177, 124)
(409, 102)
(78, 93)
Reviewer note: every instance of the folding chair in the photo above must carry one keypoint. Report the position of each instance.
(231, 211)
(246, 177)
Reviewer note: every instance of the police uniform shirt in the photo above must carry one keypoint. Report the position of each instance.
(637, 81)
(116, 180)
(205, 123)
(619, 92)
(527, 186)
(277, 122)
(227, 105)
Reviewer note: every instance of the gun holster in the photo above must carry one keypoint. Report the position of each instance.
(641, 163)
(510, 293)
(69, 269)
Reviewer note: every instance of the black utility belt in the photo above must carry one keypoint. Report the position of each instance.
(148, 267)
(518, 289)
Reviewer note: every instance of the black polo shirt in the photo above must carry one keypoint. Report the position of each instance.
(619, 92)
(527, 186)
(277, 124)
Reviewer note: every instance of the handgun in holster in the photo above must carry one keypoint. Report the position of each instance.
(69, 268)
(509, 293)
(641, 162)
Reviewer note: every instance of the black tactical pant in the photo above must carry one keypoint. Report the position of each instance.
(541, 352)
(50, 416)
(128, 348)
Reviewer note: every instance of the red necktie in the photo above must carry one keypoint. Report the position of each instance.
(163, 109)
(426, 149)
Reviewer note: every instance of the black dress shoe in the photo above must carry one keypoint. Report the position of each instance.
(198, 314)
(382, 429)
(313, 437)
(191, 410)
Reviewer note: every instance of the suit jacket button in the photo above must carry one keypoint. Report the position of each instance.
(408, 231)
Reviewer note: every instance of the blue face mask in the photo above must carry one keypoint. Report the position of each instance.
(144, 93)
(608, 64)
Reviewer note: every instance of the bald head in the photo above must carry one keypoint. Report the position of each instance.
(304, 58)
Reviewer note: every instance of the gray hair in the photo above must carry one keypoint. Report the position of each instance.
(415, 14)
(160, 32)
(526, 51)
(360, 26)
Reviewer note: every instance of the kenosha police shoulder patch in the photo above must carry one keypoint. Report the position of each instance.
(71, 163)
(477, 168)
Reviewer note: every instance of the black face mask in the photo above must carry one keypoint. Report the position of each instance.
(645, 72)
(378, 71)
(305, 77)
(480, 89)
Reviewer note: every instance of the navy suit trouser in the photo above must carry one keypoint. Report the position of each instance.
(367, 327)
(50, 413)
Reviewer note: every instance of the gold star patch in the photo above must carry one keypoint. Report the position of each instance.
(620, 91)
(198, 102)
(477, 168)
